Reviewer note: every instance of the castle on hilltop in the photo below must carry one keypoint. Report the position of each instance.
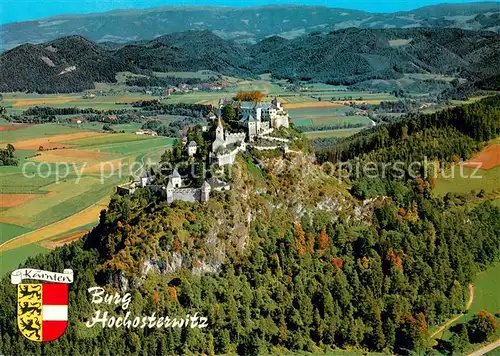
(258, 120)
(254, 126)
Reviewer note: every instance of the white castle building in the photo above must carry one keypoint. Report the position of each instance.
(226, 146)
(259, 118)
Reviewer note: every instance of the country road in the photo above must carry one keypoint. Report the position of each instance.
(451, 321)
(486, 349)
(471, 297)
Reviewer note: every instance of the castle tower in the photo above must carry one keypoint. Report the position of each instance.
(219, 137)
(170, 191)
(258, 114)
(219, 131)
(276, 103)
(176, 179)
(205, 192)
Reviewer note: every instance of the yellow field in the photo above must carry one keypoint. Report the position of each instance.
(87, 216)
(42, 101)
(69, 155)
(108, 166)
(312, 104)
(57, 141)
(13, 200)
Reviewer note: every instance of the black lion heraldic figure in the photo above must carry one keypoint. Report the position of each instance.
(35, 292)
(31, 308)
(28, 326)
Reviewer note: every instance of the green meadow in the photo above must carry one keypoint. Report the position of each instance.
(11, 259)
(8, 231)
(36, 131)
(332, 133)
(488, 180)
(64, 193)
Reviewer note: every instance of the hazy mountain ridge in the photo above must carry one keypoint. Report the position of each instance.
(67, 64)
(247, 25)
(345, 56)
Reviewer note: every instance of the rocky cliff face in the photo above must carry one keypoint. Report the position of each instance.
(272, 195)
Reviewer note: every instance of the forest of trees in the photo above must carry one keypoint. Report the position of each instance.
(459, 130)
(304, 285)
(173, 128)
(193, 113)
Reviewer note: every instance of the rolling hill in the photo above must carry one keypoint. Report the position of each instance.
(244, 25)
(68, 64)
(344, 56)
(352, 55)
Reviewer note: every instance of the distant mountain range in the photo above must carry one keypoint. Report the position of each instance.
(72, 64)
(244, 25)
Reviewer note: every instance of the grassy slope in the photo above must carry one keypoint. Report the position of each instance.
(486, 297)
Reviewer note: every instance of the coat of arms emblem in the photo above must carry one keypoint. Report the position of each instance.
(42, 308)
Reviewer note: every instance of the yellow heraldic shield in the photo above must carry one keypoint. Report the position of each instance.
(42, 308)
(29, 310)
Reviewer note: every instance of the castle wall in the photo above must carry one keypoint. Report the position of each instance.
(279, 139)
(265, 148)
(234, 137)
(226, 159)
(185, 194)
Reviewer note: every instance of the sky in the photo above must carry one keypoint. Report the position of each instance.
(22, 10)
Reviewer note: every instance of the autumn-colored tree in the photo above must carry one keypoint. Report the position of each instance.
(156, 298)
(481, 326)
(337, 261)
(300, 240)
(255, 96)
(322, 240)
(364, 262)
(412, 335)
(395, 259)
(172, 292)
(432, 182)
(190, 217)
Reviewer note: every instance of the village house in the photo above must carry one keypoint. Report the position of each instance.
(146, 132)
(211, 117)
